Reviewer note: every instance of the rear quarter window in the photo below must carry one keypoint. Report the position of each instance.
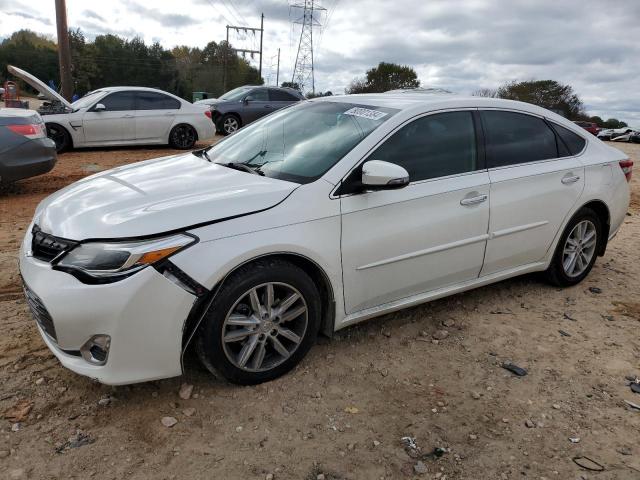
(573, 142)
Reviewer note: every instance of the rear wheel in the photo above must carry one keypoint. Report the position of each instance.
(263, 321)
(182, 137)
(577, 249)
(60, 136)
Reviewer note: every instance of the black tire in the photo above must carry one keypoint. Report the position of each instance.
(556, 273)
(209, 341)
(229, 123)
(60, 136)
(182, 137)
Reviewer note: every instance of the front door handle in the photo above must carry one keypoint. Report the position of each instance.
(568, 179)
(268, 106)
(473, 200)
(128, 116)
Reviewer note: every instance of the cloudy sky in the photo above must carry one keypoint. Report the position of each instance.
(593, 45)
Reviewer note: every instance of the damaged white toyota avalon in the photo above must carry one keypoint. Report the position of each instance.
(314, 218)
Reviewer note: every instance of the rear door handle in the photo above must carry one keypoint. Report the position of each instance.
(268, 106)
(473, 200)
(128, 116)
(570, 179)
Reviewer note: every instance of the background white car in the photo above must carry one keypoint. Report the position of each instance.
(121, 116)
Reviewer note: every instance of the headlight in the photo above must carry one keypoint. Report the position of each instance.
(105, 262)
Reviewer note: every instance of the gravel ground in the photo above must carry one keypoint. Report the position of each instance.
(343, 412)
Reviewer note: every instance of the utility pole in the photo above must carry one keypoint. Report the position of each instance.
(261, 33)
(303, 71)
(64, 51)
(244, 50)
(278, 70)
(224, 72)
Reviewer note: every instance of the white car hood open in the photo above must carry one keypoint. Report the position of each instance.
(37, 84)
(156, 196)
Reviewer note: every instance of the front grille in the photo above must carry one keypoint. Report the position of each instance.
(40, 313)
(46, 247)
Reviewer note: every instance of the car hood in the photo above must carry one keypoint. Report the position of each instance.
(156, 196)
(37, 84)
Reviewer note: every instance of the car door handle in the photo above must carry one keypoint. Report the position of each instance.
(473, 200)
(268, 106)
(128, 116)
(570, 179)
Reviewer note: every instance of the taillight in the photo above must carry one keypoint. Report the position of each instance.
(34, 130)
(208, 113)
(627, 168)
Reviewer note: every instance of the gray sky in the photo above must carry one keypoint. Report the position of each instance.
(592, 45)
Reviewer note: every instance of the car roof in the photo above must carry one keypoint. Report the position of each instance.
(421, 102)
(120, 89)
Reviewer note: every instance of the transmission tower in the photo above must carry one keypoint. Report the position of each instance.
(303, 69)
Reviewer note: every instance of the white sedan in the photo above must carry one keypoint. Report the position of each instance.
(115, 116)
(316, 217)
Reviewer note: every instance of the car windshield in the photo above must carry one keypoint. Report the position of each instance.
(235, 94)
(86, 101)
(302, 142)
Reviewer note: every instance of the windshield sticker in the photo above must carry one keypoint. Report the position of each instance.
(365, 113)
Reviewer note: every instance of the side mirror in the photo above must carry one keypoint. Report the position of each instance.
(99, 107)
(379, 175)
(246, 99)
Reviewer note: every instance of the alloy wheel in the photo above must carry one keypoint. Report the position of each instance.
(265, 326)
(230, 124)
(579, 248)
(183, 136)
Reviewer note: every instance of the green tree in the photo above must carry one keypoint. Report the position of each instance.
(293, 85)
(110, 60)
(545, 93)
(385, 77)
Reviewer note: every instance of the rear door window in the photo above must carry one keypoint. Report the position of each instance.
(433, 146)
(515, 138)
(281, 96)
(155, 101)
(119, 101)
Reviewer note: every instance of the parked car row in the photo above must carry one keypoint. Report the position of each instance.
(617, 134)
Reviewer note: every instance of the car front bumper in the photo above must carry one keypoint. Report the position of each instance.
(143, 315)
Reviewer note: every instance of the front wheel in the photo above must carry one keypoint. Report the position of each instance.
(577, 249)
(230, 124)
(60, 136)
(182, 137)
(263, 321)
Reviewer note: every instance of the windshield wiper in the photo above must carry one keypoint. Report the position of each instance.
(202, 152)
(243, 167)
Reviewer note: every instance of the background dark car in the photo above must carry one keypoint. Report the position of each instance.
(25, 150)
(589, 127)
(243, 105)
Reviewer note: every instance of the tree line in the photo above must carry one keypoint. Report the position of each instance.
(549, 94)
(110, 60)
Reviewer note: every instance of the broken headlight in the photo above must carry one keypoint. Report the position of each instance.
(106, 262)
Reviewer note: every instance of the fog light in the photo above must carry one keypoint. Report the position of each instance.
(96, 349)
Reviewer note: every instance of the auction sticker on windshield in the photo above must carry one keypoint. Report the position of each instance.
(365, 113)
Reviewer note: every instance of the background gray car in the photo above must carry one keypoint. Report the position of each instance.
(25, 150)
(243, 105)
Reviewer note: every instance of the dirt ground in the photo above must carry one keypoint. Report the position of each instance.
(343, 412)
